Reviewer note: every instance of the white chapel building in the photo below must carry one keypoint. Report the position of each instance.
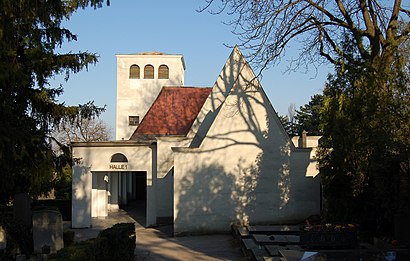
(206, 158)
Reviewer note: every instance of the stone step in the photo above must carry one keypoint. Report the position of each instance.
(275, 229)
(259, 254)
(247, 244)
(276, 239)
(274, 250)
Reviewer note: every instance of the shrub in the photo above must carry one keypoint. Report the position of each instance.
(112, 244)
(68, 237)
(83, 251)
(19, 238)
(115, 243)
(64, 206)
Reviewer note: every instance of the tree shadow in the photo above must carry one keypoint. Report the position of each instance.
(206, 197)
(241, 167)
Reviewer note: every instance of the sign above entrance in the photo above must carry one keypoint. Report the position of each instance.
(118, 166)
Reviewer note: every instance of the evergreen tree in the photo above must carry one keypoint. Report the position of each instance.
(287, 125)
(364, 156)
(308, 116)
(30, 30)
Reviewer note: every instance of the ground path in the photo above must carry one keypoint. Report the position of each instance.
(158, 243)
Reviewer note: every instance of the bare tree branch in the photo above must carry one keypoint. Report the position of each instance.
(82, 130)
(266, 28)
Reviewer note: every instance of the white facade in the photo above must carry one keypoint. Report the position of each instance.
(100, 184)
(235, 165)
(135, 95)
(244, 164)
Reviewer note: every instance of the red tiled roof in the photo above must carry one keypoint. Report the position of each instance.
(173, 112)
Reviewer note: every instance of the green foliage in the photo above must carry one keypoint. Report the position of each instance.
(61, 205)
(308, 116)
(83, 251)
(364, 156)
(288, 125)
(115, 243)
(29, 33)
(62, 183)
(19, 238)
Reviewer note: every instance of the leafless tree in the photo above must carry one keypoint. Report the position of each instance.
(267, 28)
(292, 112)
(81, 130)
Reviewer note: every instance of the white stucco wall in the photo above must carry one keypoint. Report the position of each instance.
(246, 170)
(236, 165)
(81, 198)
(93, 162)
(135, 96)
(220, 91)
(312, 142)
(165, 175)
(99, 194)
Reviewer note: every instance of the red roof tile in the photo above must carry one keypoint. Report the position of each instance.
(173, 112)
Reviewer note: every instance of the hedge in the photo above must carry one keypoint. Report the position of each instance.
(114, 243)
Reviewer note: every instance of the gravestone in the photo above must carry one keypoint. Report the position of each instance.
(47, 231)
(22, 209)
(3, 241)
(22, 217)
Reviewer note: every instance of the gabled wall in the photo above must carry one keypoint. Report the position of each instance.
(246, 169)
(220, 90)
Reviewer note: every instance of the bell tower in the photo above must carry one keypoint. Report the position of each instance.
(140, 78)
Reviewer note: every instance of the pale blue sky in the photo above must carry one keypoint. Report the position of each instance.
(175, 27)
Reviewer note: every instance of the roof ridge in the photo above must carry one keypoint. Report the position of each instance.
(172, 112)
(186, 87)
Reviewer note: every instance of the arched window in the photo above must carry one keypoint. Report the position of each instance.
(134, 72)
(149, 72)
(163, 72)
(119, 157)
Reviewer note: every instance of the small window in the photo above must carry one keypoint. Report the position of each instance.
(133, 120)
(149, 72)
(163, 72)
(119, 157)
(134, 72)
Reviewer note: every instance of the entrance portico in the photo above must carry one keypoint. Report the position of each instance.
(109, 174)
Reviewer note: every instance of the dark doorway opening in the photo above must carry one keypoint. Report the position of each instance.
(136, 203)
(140, 185)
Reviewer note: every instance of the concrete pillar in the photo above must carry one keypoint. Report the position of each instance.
(129, 185)
(134, 186)
(124, 188)
(81, 199)
(114, 201)
(119, 188)
(102, 195)
(151, 211)
(94, 195)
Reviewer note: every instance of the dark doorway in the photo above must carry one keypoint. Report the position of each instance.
(136, 196)
(140, 185)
